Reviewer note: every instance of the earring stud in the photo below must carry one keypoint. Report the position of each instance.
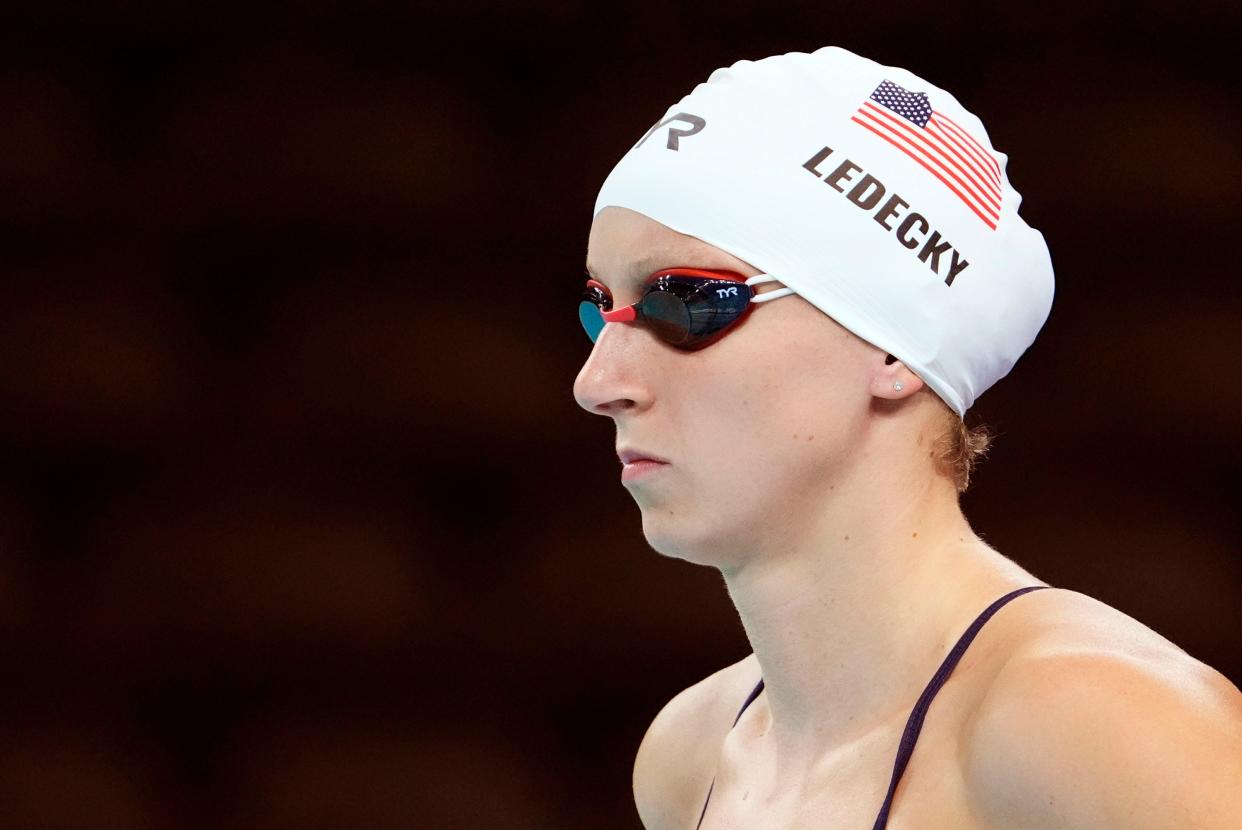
(897, 385)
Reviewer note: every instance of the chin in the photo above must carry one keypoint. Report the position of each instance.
(664, 531)
(684, 537)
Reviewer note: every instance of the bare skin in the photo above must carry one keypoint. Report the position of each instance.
(801, 473)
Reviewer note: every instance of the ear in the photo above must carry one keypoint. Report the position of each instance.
(886, 376)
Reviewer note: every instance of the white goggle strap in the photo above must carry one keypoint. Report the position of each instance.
(760, 279)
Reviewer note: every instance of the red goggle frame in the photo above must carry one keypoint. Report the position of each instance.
(685, 307)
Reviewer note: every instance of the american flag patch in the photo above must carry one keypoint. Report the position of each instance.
(907, 121)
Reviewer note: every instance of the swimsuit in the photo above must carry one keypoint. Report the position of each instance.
(915, 722)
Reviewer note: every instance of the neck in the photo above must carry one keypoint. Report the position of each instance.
(850, 617)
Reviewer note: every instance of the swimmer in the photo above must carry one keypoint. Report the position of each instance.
(800, 279)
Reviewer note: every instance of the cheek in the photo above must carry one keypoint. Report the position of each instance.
(763, 426)
(794, 413)
(781, 400)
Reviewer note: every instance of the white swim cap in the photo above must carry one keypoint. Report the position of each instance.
(871, 193)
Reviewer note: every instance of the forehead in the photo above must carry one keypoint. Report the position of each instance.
(626, 246)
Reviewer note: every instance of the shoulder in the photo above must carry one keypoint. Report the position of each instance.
(676, 760)
(1095, 720)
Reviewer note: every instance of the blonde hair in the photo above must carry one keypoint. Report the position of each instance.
(959, 448)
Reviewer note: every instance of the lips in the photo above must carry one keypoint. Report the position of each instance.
(629, 456)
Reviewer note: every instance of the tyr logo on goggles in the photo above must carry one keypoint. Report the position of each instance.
(685, 307)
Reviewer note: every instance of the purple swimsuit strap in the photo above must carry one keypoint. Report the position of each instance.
(915, 722)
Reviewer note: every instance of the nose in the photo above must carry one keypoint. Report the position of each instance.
(616, 375)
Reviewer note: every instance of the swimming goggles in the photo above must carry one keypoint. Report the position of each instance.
(685, 307)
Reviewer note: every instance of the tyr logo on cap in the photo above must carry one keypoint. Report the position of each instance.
(674, 134)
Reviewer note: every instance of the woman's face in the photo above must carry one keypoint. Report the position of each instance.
(757, 427)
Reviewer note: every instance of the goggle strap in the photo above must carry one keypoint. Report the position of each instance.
(772, 295)
(760, 279)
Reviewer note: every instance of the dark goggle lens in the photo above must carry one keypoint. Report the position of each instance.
(668, 315)
(714, 307)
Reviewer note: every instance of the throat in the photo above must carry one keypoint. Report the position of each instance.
(844, 653)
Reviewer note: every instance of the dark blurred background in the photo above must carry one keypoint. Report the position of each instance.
(300, 525)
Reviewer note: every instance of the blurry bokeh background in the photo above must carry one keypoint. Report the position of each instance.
(300, 525)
